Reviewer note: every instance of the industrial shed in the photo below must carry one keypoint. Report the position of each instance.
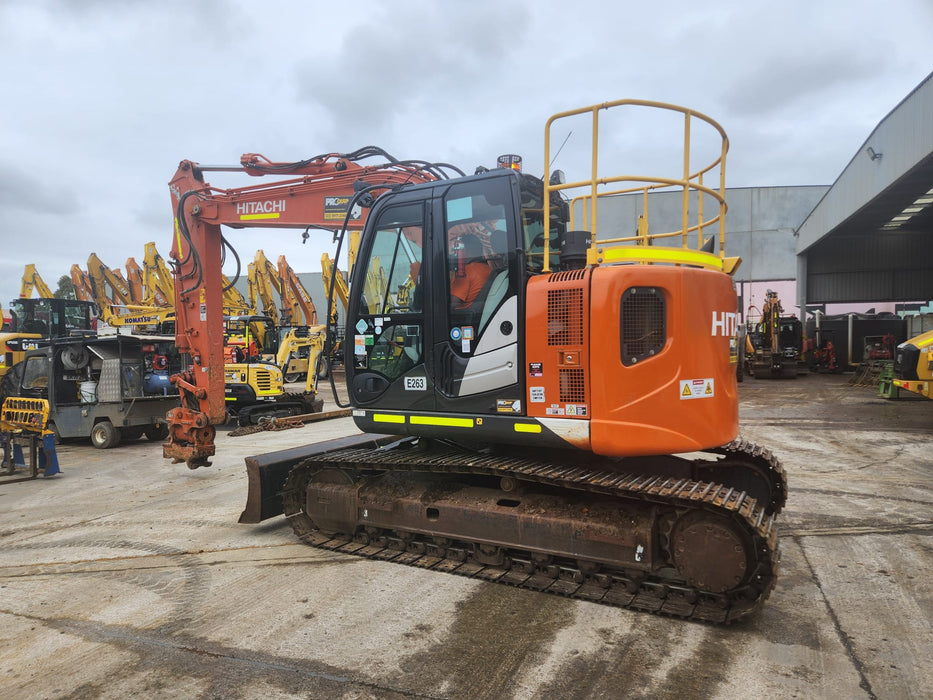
(870, 238)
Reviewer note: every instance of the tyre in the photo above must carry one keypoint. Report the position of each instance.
(131, 433)
(291, 377)
(156, 433)
(105, 435)
(323, 367)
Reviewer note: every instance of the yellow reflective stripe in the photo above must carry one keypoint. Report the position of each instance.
(656, 255)
(178, 235)
(527, 428)
(437, 420)
(387, 418)
(253, 217)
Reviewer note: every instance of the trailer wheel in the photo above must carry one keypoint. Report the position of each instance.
(157, 433)
(105, 435)
(131, 433)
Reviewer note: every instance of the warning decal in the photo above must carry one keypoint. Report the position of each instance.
(697, 388)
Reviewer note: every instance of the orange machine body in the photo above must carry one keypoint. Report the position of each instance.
(644, 353)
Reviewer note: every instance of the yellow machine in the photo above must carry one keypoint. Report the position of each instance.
(263, 278)
(157, 279)
(82, 284)
(913, 365)
(253, 375)
(102, 279)
(134, 280)
(24, 422)
(297, 307)
(32, 280)
(331, 274)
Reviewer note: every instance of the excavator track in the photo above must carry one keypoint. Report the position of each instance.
(702, 527)
(759, 463)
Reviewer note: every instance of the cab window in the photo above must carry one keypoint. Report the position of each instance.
(388, 336)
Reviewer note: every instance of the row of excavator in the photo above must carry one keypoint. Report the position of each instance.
(266, 344)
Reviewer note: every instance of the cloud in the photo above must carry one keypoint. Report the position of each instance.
(411, 58)
(792, 82)
(20, 190)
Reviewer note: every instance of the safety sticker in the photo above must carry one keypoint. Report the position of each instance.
(697, 388)
(576, 410)
(508, 406)
(361, 326)
(536, 394)
(456, 333)
(360, 342)
(535, 369)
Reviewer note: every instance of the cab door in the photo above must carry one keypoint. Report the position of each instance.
(477, 319)
(386, 314)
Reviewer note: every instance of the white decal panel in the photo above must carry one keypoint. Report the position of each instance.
(416, 384)
(697, 388)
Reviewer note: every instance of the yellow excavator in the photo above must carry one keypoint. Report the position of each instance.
(913, 365)
(32, 280)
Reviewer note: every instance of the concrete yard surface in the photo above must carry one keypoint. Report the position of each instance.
(129, 575)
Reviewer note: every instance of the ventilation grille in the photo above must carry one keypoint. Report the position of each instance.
(567, 276)
(263, 379)
(643, 324)
(565, 317)
(572, 386)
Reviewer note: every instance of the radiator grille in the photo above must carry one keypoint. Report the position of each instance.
(643, 324)
(565, 317)
(572, 386)
(263, 379)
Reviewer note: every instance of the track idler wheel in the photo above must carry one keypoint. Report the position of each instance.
(710, 552)
(330, 502)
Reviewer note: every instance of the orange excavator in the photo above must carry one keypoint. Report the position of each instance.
(546, 402)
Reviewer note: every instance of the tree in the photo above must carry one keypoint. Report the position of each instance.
(66, 288)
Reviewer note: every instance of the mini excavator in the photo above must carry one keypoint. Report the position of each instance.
(568, 424)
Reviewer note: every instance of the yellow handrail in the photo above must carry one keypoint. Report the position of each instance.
(690, 181)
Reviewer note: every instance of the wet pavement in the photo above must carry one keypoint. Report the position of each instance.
(129, 575)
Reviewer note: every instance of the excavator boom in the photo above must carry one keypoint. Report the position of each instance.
(32, 280)
(329, 192)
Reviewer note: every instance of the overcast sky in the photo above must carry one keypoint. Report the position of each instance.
(103, 98)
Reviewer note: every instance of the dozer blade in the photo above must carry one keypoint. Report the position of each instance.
(268, 472)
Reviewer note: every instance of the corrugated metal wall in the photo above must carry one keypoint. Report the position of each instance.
(879, 267)
(760, 224)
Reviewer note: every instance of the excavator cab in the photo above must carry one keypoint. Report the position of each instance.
(433, 309)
